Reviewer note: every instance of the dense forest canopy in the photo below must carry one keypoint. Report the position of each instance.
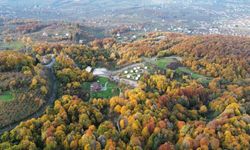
(14, 61)
(201, 101)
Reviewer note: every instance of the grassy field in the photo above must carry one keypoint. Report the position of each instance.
(111, 90)
(194, 75)
(188, 71)
(6, 96)
(163, 62)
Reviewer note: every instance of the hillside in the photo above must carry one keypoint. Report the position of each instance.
(163, 91)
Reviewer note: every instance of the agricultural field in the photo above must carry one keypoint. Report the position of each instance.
(21, 92)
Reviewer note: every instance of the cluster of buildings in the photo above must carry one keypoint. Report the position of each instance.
(57, 35)
(135, 73)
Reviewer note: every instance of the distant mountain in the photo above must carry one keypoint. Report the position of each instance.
(113, 12)
(82, 6)
(106, 4)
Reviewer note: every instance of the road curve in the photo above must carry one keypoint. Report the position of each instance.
(103, 72)
(112, 75)
(49, 101)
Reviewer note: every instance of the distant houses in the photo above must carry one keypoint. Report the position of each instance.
(58, 36)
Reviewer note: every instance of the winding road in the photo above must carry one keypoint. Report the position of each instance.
(52, 92)
(112, 75)
(49, 102)
(102, 72)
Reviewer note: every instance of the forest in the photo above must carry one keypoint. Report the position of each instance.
(171, 107)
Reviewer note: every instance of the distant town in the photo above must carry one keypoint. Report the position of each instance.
(229, 17)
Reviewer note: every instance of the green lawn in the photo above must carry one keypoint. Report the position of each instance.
(112, 88)
(6, 96)
(194, 75)
(163, 62)
(188, 71)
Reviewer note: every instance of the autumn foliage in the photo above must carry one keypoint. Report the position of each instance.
(166, 111)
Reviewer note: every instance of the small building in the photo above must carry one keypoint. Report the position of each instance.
(80, 41)
(95, 87)
(88, 69)
(116, 78)
(67, 34)
(45, 34)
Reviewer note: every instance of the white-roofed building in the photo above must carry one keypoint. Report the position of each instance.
(88, 69)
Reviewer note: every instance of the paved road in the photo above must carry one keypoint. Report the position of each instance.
(106, 72)
(103, 72)
(41, 110)
(113, 75)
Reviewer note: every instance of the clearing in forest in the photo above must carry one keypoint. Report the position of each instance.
(6, 96)
(104, 88)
